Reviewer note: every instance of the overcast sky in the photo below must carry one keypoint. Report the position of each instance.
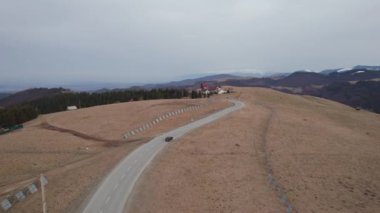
(157, 40)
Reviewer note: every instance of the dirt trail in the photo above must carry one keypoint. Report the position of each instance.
(277, 187)
(107, 142)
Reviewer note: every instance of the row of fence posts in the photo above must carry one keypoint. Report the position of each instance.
(159, 119)
(8, 202)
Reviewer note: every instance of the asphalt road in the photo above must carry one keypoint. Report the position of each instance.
(113, 192)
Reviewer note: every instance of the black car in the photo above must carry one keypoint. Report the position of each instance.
(168, 139)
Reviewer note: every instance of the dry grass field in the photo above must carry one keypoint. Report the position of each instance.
(112, 121)
(281, 152)
(75, 164)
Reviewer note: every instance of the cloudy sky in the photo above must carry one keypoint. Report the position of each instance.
(150, 40)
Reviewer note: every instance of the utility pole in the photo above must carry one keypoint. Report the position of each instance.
(43, 193)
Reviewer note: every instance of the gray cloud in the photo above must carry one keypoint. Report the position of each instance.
(147, 40)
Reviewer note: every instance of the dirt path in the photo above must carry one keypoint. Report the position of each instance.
(322, 153)
(107, 142)
(276, 186)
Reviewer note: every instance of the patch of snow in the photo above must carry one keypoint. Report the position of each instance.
(345, 69)
(358, 72)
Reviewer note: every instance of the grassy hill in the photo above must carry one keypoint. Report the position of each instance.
(280, 152)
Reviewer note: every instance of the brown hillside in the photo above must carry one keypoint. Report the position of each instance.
(76, 160)
(280, 152)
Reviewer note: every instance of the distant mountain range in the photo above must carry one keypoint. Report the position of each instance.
(356, 86)
(190, 82)
(358, 68)
(187, 83)
(302, 79)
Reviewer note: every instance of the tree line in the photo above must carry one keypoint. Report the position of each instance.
(16, 115)
(28, 111)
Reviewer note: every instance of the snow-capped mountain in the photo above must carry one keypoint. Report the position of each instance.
(348, 69)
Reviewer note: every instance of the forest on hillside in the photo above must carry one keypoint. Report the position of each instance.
(363, 94)
(27, 111)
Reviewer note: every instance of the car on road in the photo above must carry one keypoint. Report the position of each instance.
(168, 139)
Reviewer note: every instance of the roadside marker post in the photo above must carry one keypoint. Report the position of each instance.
(43, 181)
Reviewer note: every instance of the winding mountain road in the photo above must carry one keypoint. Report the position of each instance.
(113, 192)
